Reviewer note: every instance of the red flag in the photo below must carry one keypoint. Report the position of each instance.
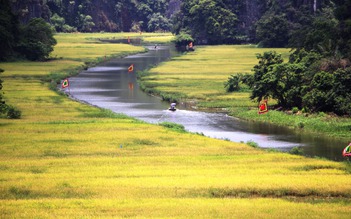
(263, 107)
(65, 83)
(131, 68)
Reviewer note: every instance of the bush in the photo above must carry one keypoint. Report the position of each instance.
(236, 80)
(252, 144)
(13, 112)
(295, 110)
(296, 151)
(173, 126)
(183, 39)
(233, 83)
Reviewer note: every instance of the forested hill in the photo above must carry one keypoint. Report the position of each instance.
(99, 15)
(271, 23)
(152, 15)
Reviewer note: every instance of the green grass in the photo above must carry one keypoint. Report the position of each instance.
(64, 159)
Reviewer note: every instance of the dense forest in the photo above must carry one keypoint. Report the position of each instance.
(271, 23)
(316, 77)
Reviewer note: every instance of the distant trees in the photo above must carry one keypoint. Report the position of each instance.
(208, 21)
(112, 15)
(157, 22)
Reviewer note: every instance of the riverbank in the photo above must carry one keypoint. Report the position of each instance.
(198, 77)
(65, 159)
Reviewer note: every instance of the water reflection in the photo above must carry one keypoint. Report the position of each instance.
(111, 86)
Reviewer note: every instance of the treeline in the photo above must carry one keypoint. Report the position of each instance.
(100, 15)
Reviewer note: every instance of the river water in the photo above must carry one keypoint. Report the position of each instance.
(111, 86)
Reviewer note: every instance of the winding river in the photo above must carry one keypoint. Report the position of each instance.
(111, 86)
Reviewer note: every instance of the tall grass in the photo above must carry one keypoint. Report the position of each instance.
(64, 159)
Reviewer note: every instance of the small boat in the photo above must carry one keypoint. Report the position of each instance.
(172, 108)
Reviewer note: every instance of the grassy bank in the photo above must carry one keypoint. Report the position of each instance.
(199, 77)
(64, 159)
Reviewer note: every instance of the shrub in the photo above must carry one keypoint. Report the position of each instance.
(173, 126)
(252, 144)
(233, 83)
(183, 39)
(296, 151)
(295, 110)
(13, 112)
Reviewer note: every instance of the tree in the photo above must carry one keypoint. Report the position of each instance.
(158, 23)
(273, 30)
(183, 39)
(87, 23)
(263, 79)
(343, 14)
(209, 21)
(8, 30)
(37, 40)
(58, 22)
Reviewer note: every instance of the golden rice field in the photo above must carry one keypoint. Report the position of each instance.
(201, 75)
(64, 159)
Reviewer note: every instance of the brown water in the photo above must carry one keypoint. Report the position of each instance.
(110, 86)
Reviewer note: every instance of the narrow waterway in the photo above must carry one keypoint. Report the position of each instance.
(111, 86)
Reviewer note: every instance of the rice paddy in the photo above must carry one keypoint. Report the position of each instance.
(65, 159)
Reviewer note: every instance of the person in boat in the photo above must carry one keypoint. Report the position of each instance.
(173, 105)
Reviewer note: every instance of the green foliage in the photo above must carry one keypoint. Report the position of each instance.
(37, 40)
(8, 30)
(295, 110)
(264, 80)
(183, 39)
(252, 144)
(173, 126)
(273, 30)
(296, 151)
(235, 81)
(157, 22)
(209, 21)
(301, 83)
(13, 112)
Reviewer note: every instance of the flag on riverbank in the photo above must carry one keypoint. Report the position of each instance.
(190, 45)
(347, 151)
(131, 68)
(263, 107)
(65, 83)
